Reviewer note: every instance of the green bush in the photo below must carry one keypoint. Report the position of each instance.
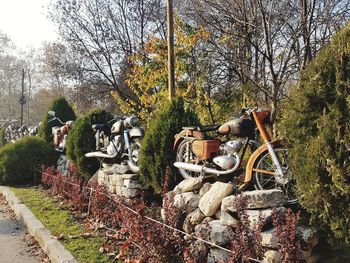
(81, 140)
(316, 123)
(20, 162)
(2, 137)
(63, 111)
(157, 154)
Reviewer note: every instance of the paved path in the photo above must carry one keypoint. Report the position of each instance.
(16, 245)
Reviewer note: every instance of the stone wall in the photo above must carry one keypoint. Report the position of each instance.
(211, 214)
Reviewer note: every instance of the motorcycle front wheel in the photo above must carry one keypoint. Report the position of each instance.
(133, 161)
(184, 154)
(265, 170)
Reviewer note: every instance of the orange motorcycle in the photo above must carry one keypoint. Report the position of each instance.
(247, 161)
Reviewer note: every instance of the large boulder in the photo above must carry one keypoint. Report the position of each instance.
(257, 199)
(186, 202)
(211, 200)
(227, 220)
(218, 255)
(189, 185)
(205, 188)
(214, 232)
(269, 238)
(265, 215)
(193, 219)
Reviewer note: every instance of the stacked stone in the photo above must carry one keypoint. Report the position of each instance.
(118, 181)
(211, 210)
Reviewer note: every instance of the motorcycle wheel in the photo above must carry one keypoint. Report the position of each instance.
(187, 157)
(267, 181)
(133, 162)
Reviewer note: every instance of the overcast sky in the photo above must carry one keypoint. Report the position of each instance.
(25, 22)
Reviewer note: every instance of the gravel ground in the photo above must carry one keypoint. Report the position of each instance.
(16, 245)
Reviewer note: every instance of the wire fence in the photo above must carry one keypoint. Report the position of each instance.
(93, 190)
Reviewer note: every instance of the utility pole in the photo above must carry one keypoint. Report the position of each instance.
(28, 95)
(170, 40)
(22, 99)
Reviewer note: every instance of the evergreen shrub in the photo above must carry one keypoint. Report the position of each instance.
(20, 162)
(157, 154)
(63, 111)
(316, 123)
(81, 140)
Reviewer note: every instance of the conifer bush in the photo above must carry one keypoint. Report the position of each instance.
(157, 154)
(20, 162)
(316, 123)
(63, 111)
(81, 140)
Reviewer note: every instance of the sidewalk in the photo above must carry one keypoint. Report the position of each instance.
(16, 245)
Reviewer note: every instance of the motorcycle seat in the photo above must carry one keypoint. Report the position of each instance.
(101, 127)
(202, 129)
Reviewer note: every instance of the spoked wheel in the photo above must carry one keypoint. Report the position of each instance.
(184, 154)
(265, 173)
(133, 162)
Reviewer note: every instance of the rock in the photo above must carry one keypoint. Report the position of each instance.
(211, 200)
(111, 189)
(133, 184)
(199, 251)
(192, 219)
(227, 220)
(205, 188)
(186, 201)
(162, 214)
(120, 168)
(101, 177)
(269, 238)
(189, 185)
(130, 193)
(118, 190)
(107, 170)
(116, 179)
(215, 232)
(266, 216)
(131, 176)
(309, 237)
(218, 255)
(272, 256)
(218, 214)
(255, 199)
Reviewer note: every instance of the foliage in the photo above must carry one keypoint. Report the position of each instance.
(247, 242)
(76, 237)
(148, 76)
(157, 154)
(20, 161)
(316, 125)
(131, 234)
(63, 111)
(81, 140)
(2, 137)
(289, 242)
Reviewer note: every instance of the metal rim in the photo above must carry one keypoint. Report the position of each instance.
(266, 180)
(181, 156)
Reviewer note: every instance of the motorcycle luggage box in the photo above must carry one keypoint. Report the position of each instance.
(205, 149)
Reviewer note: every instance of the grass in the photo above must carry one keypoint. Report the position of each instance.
(58, 220)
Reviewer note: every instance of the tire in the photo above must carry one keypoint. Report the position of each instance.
(133, 160)
(264, 181)
(182, 156)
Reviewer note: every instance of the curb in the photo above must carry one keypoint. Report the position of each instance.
(52, 247)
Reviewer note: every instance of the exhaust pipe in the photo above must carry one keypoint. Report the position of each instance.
(206, 170)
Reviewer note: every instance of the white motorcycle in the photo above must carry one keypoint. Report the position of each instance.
(118, 139)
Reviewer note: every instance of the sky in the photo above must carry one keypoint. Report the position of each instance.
(26, 22)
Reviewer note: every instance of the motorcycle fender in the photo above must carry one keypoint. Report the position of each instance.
(254, 157)
(136, 132)
(186, 133)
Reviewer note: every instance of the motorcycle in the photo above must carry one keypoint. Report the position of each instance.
(60, 134)
(118, 139)
(266, 168)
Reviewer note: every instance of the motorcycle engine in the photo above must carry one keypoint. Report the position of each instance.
(227, 160)
(115, 145)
